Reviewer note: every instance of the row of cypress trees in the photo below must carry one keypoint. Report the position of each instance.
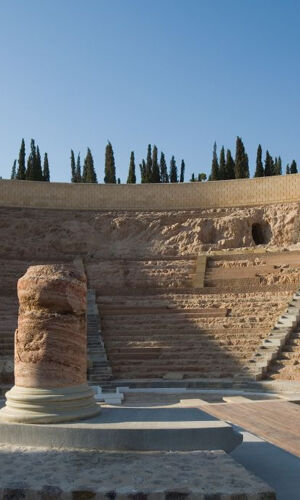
(33, 170)
(270, 166)
(225, 167)
(88, 173)
(151, 170)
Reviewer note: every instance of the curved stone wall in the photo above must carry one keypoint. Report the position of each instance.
(181, 196)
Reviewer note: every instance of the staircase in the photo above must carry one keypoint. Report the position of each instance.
(99, 370)
(287, 365)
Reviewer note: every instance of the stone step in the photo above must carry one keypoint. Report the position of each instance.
(134, 311)
(185, 337)
(100, 370)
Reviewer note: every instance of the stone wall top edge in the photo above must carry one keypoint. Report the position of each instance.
(269, 179)
(155, 210)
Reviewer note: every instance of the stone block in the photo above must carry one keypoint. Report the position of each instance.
(173, 376)
(125, 429)
(83, 475)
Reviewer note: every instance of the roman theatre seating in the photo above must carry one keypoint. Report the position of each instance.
(165, 316)
(194, 316)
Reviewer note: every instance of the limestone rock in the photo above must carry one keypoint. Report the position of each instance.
(121, 234)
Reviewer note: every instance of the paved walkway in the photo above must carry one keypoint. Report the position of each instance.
(271, 420)
(277, 422)
(274, 420)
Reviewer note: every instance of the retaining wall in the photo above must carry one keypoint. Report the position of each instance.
(219, 194)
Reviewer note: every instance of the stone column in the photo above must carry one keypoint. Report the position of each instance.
(50, 348)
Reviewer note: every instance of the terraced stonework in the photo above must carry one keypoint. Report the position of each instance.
(156, 316)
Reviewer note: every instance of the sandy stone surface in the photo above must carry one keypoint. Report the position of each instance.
(31, 473)
(121, 234)
(50, 341)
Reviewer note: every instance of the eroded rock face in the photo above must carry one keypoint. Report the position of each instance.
(120, 234)
(50, 341)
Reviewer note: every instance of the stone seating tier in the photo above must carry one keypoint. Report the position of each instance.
(157, 321)
(196, 335)
(154, 320)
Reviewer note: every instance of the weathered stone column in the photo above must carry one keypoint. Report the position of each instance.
(50, 348)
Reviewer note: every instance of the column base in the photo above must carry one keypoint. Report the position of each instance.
(44, 406)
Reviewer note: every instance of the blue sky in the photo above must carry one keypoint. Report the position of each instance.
(180, 74)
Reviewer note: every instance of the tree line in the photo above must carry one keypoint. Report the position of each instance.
(33, 169)
(152, 169)
(225, 167)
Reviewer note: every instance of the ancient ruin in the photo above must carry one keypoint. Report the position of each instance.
(50, 348)
(189, 288)
(207, 284)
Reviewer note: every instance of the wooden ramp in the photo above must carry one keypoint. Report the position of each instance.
(275, 421)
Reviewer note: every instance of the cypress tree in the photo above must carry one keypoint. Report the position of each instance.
(192, 178)
(215, 174)
(269, 165)
(173, 170)
(131, 179)
(78, 169)
(182, 169)
(143, 171)
(119, 180)
(31, 162)
(29, 169)
(38, 173)
(14, 170)
(46, 170)
(88, 172)
(294, 169)
(277, 166)
(241, 160)
(222, 167)
(110, 168)
(229, 166)
(21, 173)
(259, 171)
(148, 172)
(287, 169)
(155, 166)
(73, 167)
(163, 168)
